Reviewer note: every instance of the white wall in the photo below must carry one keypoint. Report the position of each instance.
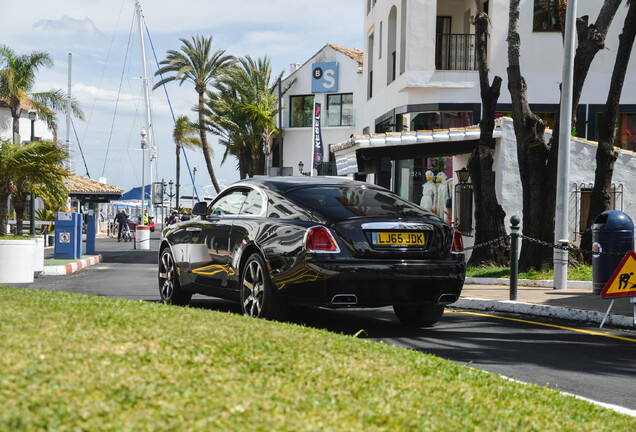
(582, 166)
(6, 127)
(297, 142)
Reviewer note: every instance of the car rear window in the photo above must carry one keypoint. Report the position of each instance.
(344, 202)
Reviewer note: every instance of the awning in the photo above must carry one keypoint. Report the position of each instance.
(351, 155)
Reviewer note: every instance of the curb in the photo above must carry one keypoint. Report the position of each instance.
(557, 312)
(66, 269)
(541, 283)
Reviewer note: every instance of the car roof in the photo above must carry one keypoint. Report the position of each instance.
(282, 184)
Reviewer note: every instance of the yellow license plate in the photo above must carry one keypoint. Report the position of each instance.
(398, 238)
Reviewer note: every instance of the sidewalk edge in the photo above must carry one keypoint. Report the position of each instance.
(67, 269)
(558, 312)
(541, 283)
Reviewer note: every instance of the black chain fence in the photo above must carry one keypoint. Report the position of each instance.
(506, 239)
(513, 240)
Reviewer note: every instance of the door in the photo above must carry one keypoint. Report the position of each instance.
(211, 257)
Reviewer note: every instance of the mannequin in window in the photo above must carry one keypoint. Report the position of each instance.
(428, 192)
(442, 195)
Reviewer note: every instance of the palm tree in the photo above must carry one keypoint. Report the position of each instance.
(197, 64)
(17, 77)
(36, 167)
(243, 110)
(184, 134)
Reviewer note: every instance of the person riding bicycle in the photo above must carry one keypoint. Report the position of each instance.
(121, 218)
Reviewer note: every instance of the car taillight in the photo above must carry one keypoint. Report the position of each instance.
(458, 242)
(319, 239)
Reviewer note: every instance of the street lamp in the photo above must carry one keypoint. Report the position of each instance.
(300, 169)
(194, 177)
(32, 116)
(143, 179)
(170, 195)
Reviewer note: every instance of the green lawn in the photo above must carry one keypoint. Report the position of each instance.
(77, 362)
(583, 273)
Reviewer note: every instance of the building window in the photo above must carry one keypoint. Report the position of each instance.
(370, 44)
(340, 109)
(391, 45)
(583, 193)
(380, 42)
(301, 111)
(546, 16)
(403, 37)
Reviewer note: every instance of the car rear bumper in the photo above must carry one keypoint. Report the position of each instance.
(372, 284)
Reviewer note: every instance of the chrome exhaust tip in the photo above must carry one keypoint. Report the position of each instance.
(344, 299)
(447, 298)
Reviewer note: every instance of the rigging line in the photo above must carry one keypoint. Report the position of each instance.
(112, 126)
(80, 147)
(101, 78)
(172, 112)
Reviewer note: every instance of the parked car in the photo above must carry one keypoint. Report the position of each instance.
(271, 243)
(137, 221)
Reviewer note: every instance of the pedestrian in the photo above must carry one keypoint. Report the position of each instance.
(146, 217)
(121, 218)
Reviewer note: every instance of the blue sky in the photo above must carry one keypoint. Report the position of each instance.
(97, 32)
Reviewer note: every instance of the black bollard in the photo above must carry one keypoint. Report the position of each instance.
(514, 254)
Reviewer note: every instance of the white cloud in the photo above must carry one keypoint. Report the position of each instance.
(79, 28)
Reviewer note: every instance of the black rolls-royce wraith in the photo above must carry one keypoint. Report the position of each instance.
(274, 242)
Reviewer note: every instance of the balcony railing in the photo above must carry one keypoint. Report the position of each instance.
(455, 52)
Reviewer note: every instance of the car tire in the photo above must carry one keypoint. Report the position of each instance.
(422, 315)
(258, 296)
(169, 286)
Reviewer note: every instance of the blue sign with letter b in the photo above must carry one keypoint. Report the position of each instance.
(324, 77)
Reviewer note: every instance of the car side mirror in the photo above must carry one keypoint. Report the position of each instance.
(200, 208)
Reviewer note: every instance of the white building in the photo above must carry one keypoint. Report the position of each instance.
(333, 78)
(41, 130)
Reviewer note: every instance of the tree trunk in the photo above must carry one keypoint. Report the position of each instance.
(538, 176)
(16, 111)
(489, 215)
(19, 204)
(4, 211)
(204, 142)
(178, 174)
(606, 155)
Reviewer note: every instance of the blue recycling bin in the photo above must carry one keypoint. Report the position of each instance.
(612, 232)
(90, 233)
(66, 235)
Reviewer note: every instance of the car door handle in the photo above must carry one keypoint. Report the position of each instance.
(193, 229)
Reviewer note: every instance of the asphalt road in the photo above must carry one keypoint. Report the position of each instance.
(596, 364)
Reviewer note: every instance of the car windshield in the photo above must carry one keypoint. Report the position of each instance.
(343, 202)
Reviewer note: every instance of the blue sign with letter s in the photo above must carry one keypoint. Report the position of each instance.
(324, 77)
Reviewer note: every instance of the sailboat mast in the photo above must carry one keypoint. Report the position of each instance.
(69, 164)
(144, 79)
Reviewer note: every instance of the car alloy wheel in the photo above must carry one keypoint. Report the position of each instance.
(169, 287)
(258, 298)
(253, 288)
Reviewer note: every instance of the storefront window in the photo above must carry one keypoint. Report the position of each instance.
(434, 194)
(434, 120)
(625, 131)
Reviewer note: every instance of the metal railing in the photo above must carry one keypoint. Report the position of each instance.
(455, 52)
(514, 237)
